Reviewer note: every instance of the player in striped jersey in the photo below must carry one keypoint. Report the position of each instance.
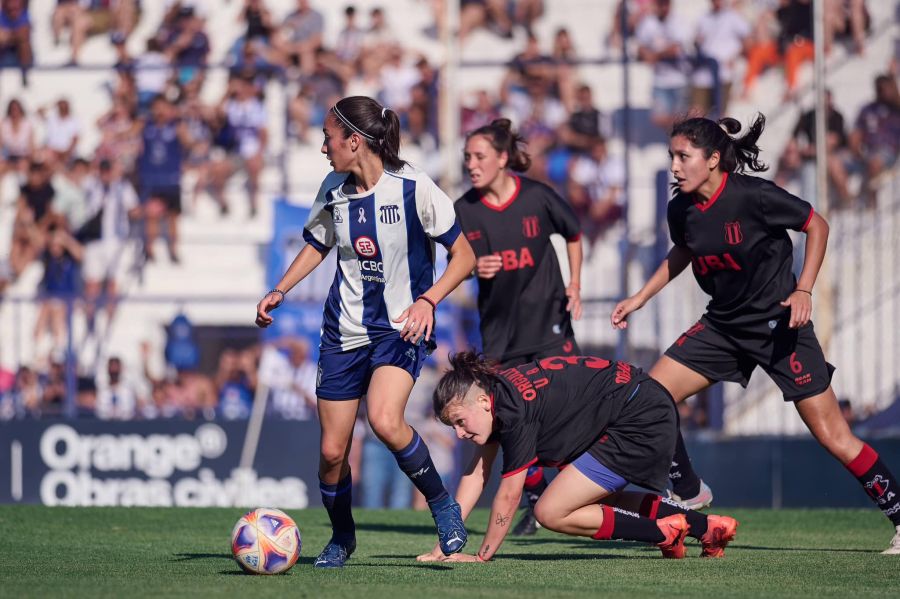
(384, 218)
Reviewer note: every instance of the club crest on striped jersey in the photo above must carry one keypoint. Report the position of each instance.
(337, 215)
(733, 234)
(389, 214)
(364, 246)
(531, 226)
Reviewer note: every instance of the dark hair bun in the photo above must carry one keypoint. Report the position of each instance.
(731, 126)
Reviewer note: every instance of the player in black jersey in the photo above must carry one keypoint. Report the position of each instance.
(605, 424)
(524, 305)
(732, 229)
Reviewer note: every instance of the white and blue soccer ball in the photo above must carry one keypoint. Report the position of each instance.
(265, 541)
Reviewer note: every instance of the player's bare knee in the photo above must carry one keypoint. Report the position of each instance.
(546, 515)
(387, 427)
(332, 455)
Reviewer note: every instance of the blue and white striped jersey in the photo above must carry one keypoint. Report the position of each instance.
(385, 249)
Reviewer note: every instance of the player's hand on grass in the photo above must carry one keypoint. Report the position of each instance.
(419, 321)
(573, 292)
(434, 555)
(800, 303)
(487, 267)
(266, 305)
(622, 310)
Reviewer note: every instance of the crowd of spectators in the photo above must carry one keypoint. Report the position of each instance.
(91, 217)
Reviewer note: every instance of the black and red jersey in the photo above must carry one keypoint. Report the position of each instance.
(741, 254)
(523, 308)
(550, 411)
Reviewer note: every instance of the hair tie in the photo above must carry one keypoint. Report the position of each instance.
(383, 111)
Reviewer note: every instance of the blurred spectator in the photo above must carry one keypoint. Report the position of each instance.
(596, 189)
(285, 368)
(244, 117)
(585, 123)
(349, 44)
(722, 35)
(398, 77)
(118, 397)
(526, 12)
(846, 19)
(187, 47)
(15, 36)
(71, 15)
(27, 393)
(418, 139)
(662, 38)
(492, 14)
(181, 351)
(636, 11)
(112, 204)
(165, 143)
(484, 110)
(63, 130)
(34, 216)
(70, 192)
(120, 140)
(236, 382)
(59, 287)
(793, 46)
(124, 61)
(258, 20)
(379, 38)
(301, 33)
(196, 118)
(112, 16)
(875, 138)
(16, 139)
(803, 145)
(152, 74)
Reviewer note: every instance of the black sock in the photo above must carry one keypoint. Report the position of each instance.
(876, 479)
(628, 526)
(685, 482)
(655, 507)
(337, 499)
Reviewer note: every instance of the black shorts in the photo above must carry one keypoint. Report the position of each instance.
(566, 347)
(169, 196)
(793, 358)
(640, 444)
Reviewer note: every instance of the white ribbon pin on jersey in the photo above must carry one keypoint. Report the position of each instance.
(362, 216)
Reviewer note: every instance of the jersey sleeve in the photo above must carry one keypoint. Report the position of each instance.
(319, 229)
(675, 217)
(519, 445)
(561, 215)
(782, 210)
(436, 212)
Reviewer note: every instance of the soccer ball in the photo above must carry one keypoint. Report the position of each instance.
(265, 541)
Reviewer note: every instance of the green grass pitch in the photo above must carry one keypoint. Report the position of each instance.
(138, 552)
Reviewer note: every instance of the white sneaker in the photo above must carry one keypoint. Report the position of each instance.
(894, 549)
(703, 498)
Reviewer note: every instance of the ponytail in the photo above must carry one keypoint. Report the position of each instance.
(736, 154)
(466, 369)
(503, 139)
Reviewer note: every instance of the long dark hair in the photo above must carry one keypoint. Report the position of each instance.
(736, 154)
(376, 124)
(503, 139)
(466, 368)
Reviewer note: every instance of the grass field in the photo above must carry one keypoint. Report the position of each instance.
(137, 552)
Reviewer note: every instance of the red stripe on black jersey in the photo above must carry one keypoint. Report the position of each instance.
(808, 219)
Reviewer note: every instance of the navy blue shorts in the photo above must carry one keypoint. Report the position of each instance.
(346, 375)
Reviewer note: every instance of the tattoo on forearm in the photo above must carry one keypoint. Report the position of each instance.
(485, 551)
(502, 520)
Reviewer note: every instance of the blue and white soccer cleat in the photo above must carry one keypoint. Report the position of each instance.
(335, 554)
(452, 535)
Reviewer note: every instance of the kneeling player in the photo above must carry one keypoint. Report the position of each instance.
(610, 422)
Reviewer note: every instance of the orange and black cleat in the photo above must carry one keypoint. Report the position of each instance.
(720, 532)
(674, 528)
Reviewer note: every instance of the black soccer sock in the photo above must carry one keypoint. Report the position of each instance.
(876, 479)
(415, 461)
(628, 526)
(337, 499)
(535, 485)
(655, 507)
(685, 482)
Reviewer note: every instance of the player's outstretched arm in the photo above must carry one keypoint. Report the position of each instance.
(504, 507)
(675, 262)
(800, 300)
(306, 261)
(471, 485)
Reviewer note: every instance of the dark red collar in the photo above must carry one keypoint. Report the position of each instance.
(703, 207)
(508, 202)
